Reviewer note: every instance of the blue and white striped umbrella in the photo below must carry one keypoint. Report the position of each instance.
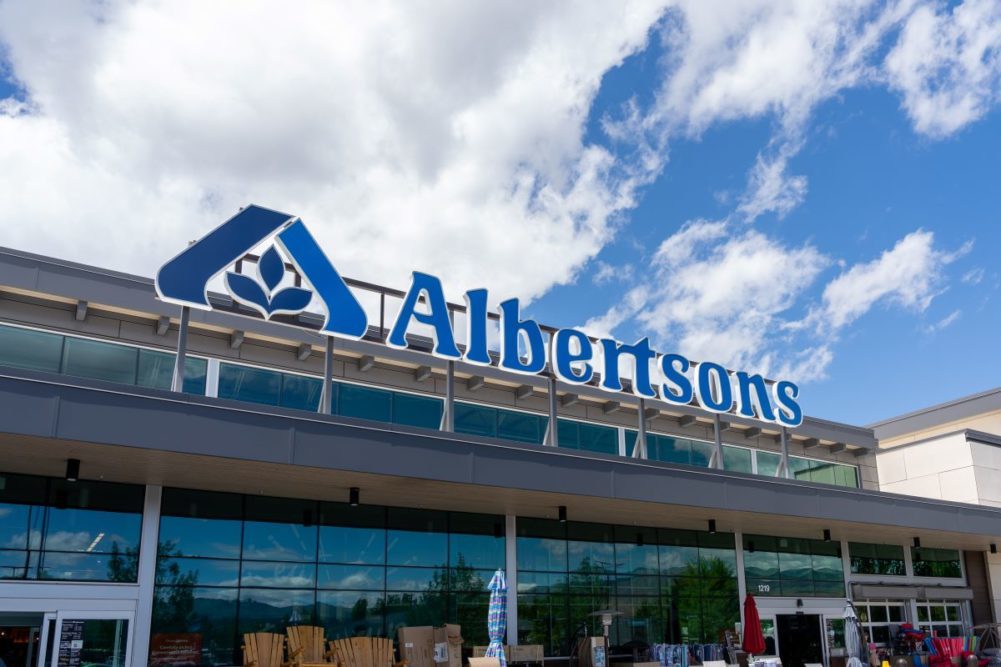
(497, 617)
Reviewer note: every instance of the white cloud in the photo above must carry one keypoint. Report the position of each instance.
(744, 299)
(907, 275)
(771, 189)
(444, 137)
(947, 65)
(944, 322)
(974, 276)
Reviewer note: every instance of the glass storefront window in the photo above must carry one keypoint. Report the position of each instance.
(792, 567)
(945, 619)
(254, 385)
(275, 562)
(671, 584)
(100, 361)
(885, 559)
(940, 563)
(82, 531)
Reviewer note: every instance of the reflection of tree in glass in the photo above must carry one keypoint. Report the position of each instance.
(123, 567)
(711, 585)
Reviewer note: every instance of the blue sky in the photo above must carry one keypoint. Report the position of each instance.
(872, 180)
(803, 189)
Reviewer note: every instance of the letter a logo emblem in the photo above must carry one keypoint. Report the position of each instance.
(184, 279)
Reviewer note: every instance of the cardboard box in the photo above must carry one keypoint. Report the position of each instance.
(481, 651)
(448, 646)
(417, 645)
(525, 653)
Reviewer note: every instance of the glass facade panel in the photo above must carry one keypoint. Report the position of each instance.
(420, 411)
(33, 350)
(823, 472)
(253, 385)
(768, 463)
(156, 370)
(670, 584)
(365, 403)
(475, 420)
(302, 393)
(100, 361)
(941, 563)
(886, 559)
(82, 531)
(793, 567)
(280, 561)
(736, 459)
(588, 437)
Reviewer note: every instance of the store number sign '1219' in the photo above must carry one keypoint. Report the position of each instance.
(524, 348)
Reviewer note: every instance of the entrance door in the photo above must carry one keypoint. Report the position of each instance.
(800, 640)
(87, 638)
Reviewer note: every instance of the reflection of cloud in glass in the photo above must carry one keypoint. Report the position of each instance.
(64, 540)
(289, 581)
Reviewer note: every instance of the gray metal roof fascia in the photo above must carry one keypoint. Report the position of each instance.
(47, 275)
(50, 406)
(943, 413)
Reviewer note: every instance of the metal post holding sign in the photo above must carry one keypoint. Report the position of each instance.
(448, 419)
(177, 384)
(717, 458)
(552, 435)
(784, 465)
(327, 404)
(639, 449)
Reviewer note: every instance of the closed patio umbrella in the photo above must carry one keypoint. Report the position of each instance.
(497, 617)
(853, 636)
(754, 639)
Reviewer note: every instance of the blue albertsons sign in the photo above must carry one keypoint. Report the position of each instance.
(669, 377)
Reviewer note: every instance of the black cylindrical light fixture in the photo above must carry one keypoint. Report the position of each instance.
(994, 548)
(827, 534)
(72, 470)
(712, 526)
(917, 542)
(354, 496)
(750, 546)
(563, 513)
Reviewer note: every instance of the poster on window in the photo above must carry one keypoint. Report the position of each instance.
(175, 649)
(70, 643)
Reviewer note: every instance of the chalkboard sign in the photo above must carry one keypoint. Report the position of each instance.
(70, 643)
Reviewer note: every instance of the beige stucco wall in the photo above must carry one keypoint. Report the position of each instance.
(988, 423)
(942, 468)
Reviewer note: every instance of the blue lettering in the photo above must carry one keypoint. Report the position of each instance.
(642, 356)
(757, 406)
(564, 358)
(715, 392)
(513, 331)
(674, 367)
(476, 328)
(785, 394)
(436, 317)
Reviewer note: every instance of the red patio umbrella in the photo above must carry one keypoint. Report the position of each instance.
(754, 639)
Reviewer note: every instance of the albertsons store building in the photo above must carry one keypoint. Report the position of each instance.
(250, 442)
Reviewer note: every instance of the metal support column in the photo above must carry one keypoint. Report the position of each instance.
(738, 538)
(147, 574)
(182, 350)
(552, 434)
(511, 554)
(784, 465)
(639, 450)
(448, 420)
(327, 404)
(717, 460)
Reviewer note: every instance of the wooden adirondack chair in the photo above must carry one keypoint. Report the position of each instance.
(264, 649)
(306, 645)
(364, 652)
